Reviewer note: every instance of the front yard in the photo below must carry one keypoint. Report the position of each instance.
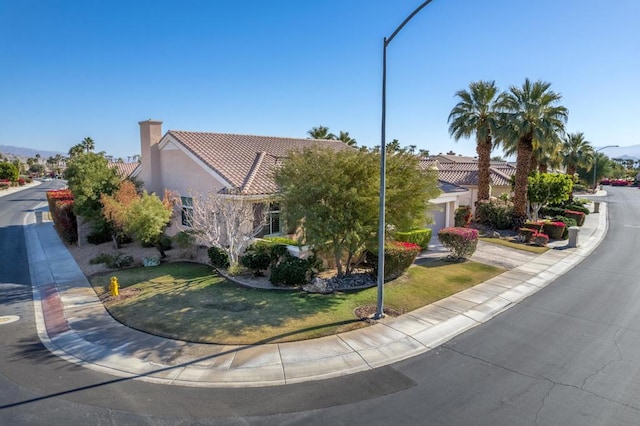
(189, 302)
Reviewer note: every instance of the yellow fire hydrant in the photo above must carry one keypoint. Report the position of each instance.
(114, 287)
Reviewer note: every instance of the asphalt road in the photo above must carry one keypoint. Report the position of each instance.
(567, 355)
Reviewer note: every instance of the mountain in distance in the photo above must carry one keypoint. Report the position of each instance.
(27, 152)
(631, 152)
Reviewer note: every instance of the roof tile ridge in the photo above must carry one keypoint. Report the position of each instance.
(252, 135)
(253, 171)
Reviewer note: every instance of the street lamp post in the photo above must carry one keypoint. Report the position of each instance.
(383, 163)
(595, 163)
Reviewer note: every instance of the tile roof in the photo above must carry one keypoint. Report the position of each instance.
(124, 169)
(466, 173)
(245, 161)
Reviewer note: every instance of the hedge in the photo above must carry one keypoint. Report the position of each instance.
(555, 230)
(398, 257)
(420, 237)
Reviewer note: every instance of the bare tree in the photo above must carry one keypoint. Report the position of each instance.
(226, 221)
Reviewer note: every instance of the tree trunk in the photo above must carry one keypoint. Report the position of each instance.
(533, 163)
(483, 148)
(543, 168)
(523, 161)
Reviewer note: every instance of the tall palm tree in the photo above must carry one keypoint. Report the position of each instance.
(320, 132)
(76, 150)
(476, 113)
(88, 144)
(576, 152)
(531, 113)
(344, 137)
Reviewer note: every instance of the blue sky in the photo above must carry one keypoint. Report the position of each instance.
(71, 69)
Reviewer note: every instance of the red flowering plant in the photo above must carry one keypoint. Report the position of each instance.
(462, 242)
(578, 216)
(61, 209)
(398, 257)
(554, 230)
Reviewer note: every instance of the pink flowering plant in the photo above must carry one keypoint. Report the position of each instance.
(398, 257)
(554, 230)
(462, 242)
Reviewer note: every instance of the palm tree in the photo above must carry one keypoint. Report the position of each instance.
(424, 153)
(576, 152)
(531, 113)
(76, 150)
(88, 144)
(476, 113)
(321, 132)
(344, 137)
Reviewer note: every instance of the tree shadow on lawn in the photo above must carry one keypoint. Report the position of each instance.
(197, 305)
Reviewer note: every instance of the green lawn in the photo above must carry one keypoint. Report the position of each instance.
(519, 246)
(190, 302)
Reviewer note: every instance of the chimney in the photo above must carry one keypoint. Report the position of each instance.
(150, 135)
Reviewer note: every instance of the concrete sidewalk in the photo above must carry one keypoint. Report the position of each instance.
(73, 324)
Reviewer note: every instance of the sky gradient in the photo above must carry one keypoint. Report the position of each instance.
(71, 69)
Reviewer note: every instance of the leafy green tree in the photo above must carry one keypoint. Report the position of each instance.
(545, 188)
(576, 152)
(115, 208)
(531, 113)
(334, 197)
(146, 218)
(9, 171)
(89, 176)
(37, 169)
(476, 114)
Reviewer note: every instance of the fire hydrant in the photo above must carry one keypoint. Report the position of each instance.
(114, 287)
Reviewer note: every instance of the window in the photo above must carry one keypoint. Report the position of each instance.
(273, 219)
(187, 210)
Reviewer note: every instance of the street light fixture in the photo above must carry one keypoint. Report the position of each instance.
(595, 163)
(383, 162)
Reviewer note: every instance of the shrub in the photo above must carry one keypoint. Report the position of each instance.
(526, 233)
(554, 230)
(567, 223)
(462, 242)
(536, 226)
(218, 257)
(183, 239)
(21, 182)
(498, 214)
(4, 184)
(282, 240)
(292, 271)
(420, 237)
(577, 208)
(112, 261)
(462, 216)
(259, 256)
(61, 209)
(549, 211)
(540, 239)
(576, 215)
(398, 257)
(578, 187)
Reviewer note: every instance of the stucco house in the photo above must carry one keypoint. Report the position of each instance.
(204, 162)
(463, 172)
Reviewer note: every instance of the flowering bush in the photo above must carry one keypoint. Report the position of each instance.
(420, 237)
(540, 239)
(398, 256)
(462, 242)
(578, 216)
(536, 226)
(462, 216)
(64, 220)
(4, 184)
(21, 182)
(554, 230)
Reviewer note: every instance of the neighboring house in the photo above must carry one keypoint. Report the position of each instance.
(465, 174)
(205, 162)
(125, 170)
